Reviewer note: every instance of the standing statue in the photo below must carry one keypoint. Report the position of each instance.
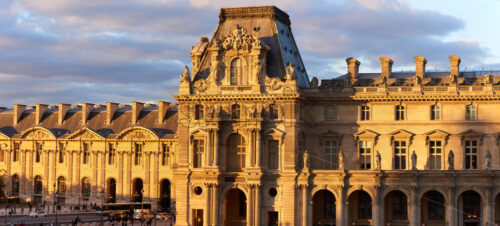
(452, 78)
(214, 71)
(413, 161)
(314, 82)
(379, 160)
(290, 72)
(306, 160)
(451, 160)
(341, 159)
(185, 76)
(259, 66)
(488, 160)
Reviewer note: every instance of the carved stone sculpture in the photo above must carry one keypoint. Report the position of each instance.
(306, 160)
(260, 65)
(379, 160)
(215, 69)
(488, 79)
(451, 160)
(273, 84)
(413, 161)
(239, 39)
(201, 85)
(452, 79)
(314, 82)
(185, 76)
(290, 72)
(488, 160)
(341, 159)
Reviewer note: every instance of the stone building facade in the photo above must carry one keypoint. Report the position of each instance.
(253, 141)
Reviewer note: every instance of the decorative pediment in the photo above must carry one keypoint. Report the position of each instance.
(85, 133)
(330, 135)
(137, 133)
(436, 134)
(401, 134)
(3, 135)
(38, 133)
(472, 134)
(238, 39)
(366, 134)
(276, 133)
(199, 132)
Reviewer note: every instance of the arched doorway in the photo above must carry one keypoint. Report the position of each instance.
(15, 185)
(469, 208)
(37, 189)
(137, 190)
(396, 208)
(111, 191)
(235, 208)
(85, 188)
(61, 190)
(433, 209)
(360, 208)
(165, 195)
(236, 151)
(324, 208)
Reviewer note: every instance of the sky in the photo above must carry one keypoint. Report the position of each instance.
(99, 51)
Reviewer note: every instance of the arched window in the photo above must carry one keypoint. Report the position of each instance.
(15, 185)
(237, 68)
(61, 185)
(38, 185)
(85, 187)
(236, 151)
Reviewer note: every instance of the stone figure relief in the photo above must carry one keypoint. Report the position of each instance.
(201, 85)
(413, 161)
(341, 159)
(273, 84)
(378, 158)
(451, 160)
(417, 81)
(314, 82)
(306, 160)
(291, 74)
(215, 69)
(452, 79)
(488, 160)
(488, 79)
(185, 76)
(259, 67)
(239, 39)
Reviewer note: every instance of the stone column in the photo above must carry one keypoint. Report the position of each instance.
(304, 204)
(208, 152)
(414, 215)
(377, 208)
(257, 205)
(208, 199)
(341, 208)
(215, 205)
(249, 154)
(259, 149)
(216, 147)
(488, 206)
(451, 207)
(250, 206)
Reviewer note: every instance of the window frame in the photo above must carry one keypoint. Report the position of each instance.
(398, 155)
(111, 153)
(15, 154)
(400, 112)
(363, 156)
(433, 155)
(365, 112)
(277, 157)
(235, 111)
(468, 109)
(138, 152)
(199, 148)
(433, 111)
(199, 111)
(273, 111)
(331, 113)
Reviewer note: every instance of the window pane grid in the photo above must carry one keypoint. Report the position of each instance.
(435, 112)
(365, 113)
(400, 112)
(435, 150)
(365, 154)
(470, 154)
(400, 155)
(331, 152)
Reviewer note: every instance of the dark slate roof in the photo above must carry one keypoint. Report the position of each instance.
(96, 122)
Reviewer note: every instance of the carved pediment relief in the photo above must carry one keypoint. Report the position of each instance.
(3, 135)
(330, 135)
(238, 39)
(137, 133)
(471, 134)
(401, 135)
(437, 134)
(38, 133)
(366, 134)
(85, 134)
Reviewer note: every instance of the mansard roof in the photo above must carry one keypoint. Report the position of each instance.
(272, 27)
(96, 122)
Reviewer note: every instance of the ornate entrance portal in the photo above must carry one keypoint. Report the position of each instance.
(235, 208)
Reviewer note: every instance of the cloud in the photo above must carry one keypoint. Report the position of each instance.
(98, 51)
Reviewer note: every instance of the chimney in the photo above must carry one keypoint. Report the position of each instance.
(352, 67)
(454, 65)
(40, 109)
(110, 111)
(420, 63)
(86, 109)
(18, 111)
(386, 63)
(62, 110)
(136, 110)
(162, 110)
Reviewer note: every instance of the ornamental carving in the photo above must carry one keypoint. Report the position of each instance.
(185, 76)
(273, 84)
(201, 85)
(239, 39)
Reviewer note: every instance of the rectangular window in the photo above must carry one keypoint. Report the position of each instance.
(138, 154)
(198, 150)
(199, 112)
(273, 148)
(471, 112)
(273, 111)
(331, 113)
(435, 112)
(365, 113)
(15, 155)
(62, 148)
(435, 153)
(400, 155)
(111, 154)
(332, 154)
(2, 153)
(165, 154)
(235, 111)
(400, 112)
(365, 154)
(38, 153)
(471, 154)
(85, 153)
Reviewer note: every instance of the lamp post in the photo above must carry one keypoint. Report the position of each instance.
(55, 201)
